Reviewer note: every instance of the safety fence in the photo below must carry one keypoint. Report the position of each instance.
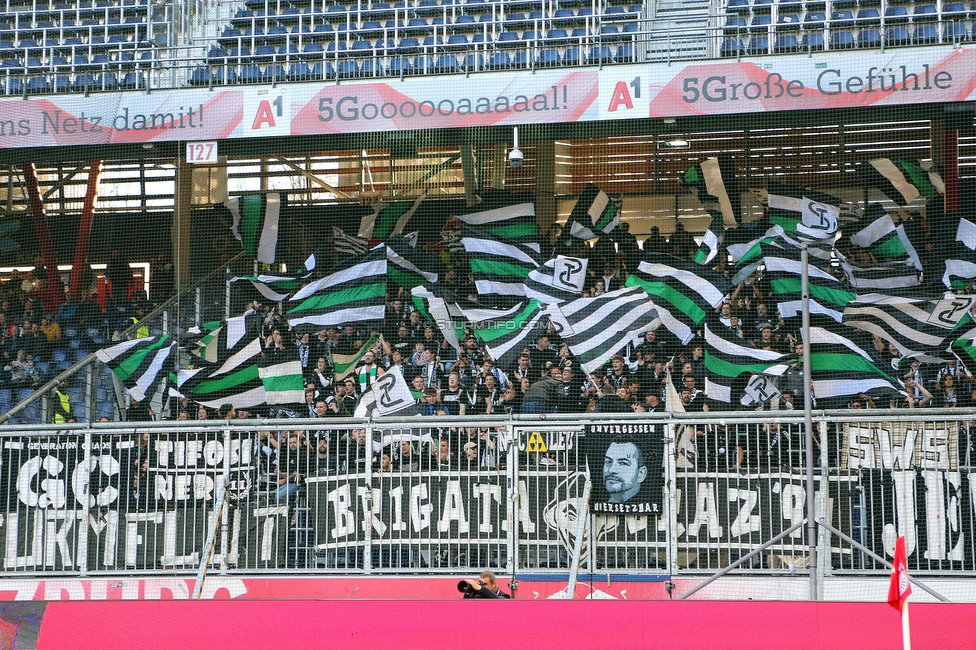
(439, 495)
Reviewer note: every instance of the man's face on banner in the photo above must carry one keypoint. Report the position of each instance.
(623, 471)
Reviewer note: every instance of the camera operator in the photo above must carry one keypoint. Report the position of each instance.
(484, 587)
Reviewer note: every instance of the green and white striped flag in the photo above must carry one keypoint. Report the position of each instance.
(256, 224)
(901, 179)
(684, 293)
(227, 338)
(500, 266)
(784, 271)
(409, 267)
(388, 219)
(878, 277)
(593, 215)
(344, 364)
(839, 368)
(711, 241)
(727, 359)
(439, 307)
(515, 223)
(506, 335)
(283, 381)
(140, 363)
(353, 292)
(878, 234)
(715, 183)
(913, 325)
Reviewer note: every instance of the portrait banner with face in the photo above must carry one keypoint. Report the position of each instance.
(625, 462)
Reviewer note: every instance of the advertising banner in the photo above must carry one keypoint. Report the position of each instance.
(825, 80)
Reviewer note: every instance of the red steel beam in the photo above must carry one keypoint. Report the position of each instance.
(950, 167)
(51, 297)
(79, 266)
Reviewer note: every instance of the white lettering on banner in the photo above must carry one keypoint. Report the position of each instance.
(524, 513)
(900, 446)
(901, 454)
(486, 493)
(11, 559)
(81, 479)
(270, 516)
(54, 492)
(905, 514)
(189, 453)
(345, 520)
(744, 522)
(56, 537)
(376, 496)
(396, 499)
(419, 512)
(133, 540)
(169, 557)
(454, 509)
(706, 512)
(793, 504)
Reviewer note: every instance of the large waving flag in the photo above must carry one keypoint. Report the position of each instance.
(840, 368)
(141, 364)
(711, 241)
(960, 263)
(506, 332)
(727, 358)
(389, 395)
(683, 292)
(913, 325)
(277, 287)
(226, 338)
(596, 328)
(439, 307)
(257, 221)
(882, 276)
(346, 245)
(900, 179)
(714, 181)
(354, 292)
(593, 215)
(877, 233)
(784, 270)
(900, 587)
(805, 214)
(513, 222)
(558, 280)
(500, 266)
(388, 219)
(282, 380)
(408, 266)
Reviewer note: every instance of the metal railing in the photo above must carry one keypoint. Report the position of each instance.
(442, 494)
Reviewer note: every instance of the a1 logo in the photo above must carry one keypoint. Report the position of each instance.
(266, 113)
(618, 96)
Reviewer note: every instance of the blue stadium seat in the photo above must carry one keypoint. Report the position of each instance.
(457, 39)
(897, 35)
(841, 39)
(200, 77)
(786, 43)
(574, 56)
(361, 45)
(499, 60)
(738, 5)
(925, 13)
(896, 14)
(107, 81)
(433, 41)
(446, 63)
(735, 24)
(465, 23)
(264, 52)
(482, 38)
(418, 25)
(580, 32)
(869, 38)
(336, 47)
(732, 47)
(955, 10)
(398, 65)
(272, 74)
(530, 35)
(313, 50)
(626, 53)
(250, 74)
(347, 68)
(423, 65)
(812, 41)
(548, 57)
(787, 21)
(133, 80)
(299, 71)
(760, 24)
(38, 85)
(601, 54)
(955, 31)
(925, 33)
(556, 34)
(868, 16)
(841, 18)
(225, 75)
(758, 45)
(508, 38)
(288, 50)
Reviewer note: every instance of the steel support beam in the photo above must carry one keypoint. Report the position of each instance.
(79, 266)
(50, 297)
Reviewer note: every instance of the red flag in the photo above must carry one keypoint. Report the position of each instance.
(900, 588)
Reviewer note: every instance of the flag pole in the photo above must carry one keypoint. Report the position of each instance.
(808, 416)
(906, 635)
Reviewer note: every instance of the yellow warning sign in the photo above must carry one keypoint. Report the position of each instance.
(536, 443)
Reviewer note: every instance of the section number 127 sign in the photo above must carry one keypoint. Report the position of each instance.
(198, 153)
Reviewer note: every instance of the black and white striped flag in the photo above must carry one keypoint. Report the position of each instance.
(839, 368)
(784, 271)
(347, 245)
(879, 276)
(506, 332)
(913, 325)
(596, 328)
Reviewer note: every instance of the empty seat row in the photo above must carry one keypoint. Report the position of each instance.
(398, 65)
(843, 39)
(108, 81)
